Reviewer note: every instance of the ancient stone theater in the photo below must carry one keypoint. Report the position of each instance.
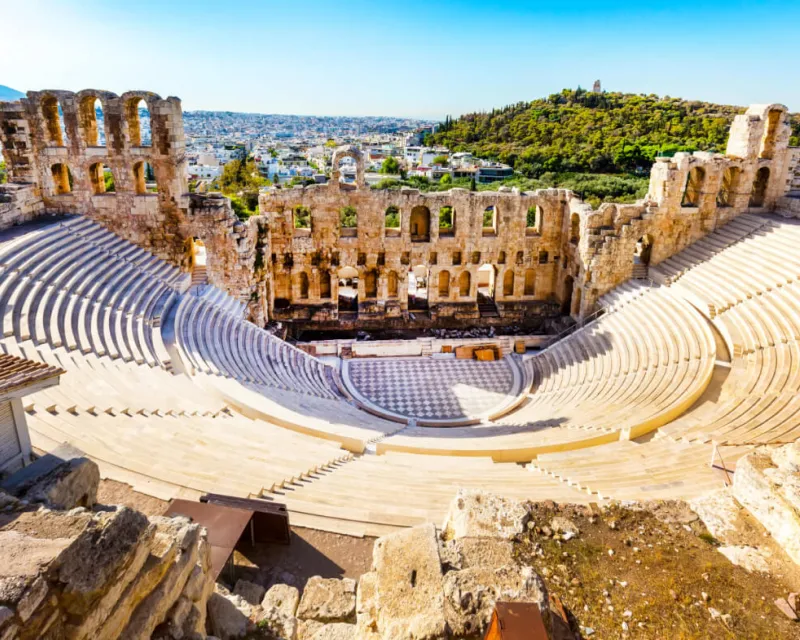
(656, 354)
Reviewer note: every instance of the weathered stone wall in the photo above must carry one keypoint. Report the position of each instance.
(562, 263)
(571, 256)
(36, 151)
(19, 203)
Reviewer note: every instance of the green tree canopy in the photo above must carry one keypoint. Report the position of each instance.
(390, 166)
(348, 217)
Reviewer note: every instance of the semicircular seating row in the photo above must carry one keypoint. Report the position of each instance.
(623, 375)
(751, 288)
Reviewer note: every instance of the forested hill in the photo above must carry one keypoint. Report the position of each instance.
(577, 130)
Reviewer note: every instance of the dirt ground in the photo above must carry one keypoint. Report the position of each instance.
(628, 574)
(112, 492)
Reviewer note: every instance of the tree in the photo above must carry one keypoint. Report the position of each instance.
(108, 178)
(390, 166)
(392, 217)
(446, 179)
(302, 217)
(348, 217)
(441, 160)
(472, 185)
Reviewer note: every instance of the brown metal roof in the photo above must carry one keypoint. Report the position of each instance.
(18, 372)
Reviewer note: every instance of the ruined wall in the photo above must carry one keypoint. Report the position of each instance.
(561, 263)
(19, 203)
(65, 168)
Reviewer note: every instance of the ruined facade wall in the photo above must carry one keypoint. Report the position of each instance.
(19, 203)
(36, 150)
(320, 252)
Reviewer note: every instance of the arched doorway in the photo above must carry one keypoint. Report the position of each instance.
(508, 283)
(444, 285)
(464, 284)
(641, 256)
(566, 300)
(418, 288)
(348, 291)
(420, 224)
(196, 258)
(487, 276)
(759, 192)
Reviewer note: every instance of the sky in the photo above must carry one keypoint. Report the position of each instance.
(413, 58)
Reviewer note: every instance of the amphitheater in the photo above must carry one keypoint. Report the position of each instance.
(684, 353)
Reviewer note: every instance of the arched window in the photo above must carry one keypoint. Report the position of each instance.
(533, 220)
(575, 228)
(694, 187)
(464, 281)
(644, 247)
(391, 221)
(501, 257)
(730, 186)
(490, 220)
(144, 178)
(759, 192)
(447, 222)
(53, 120)
(444, 284)
(543, 257)
(420, 224)
(391, 285)
(302, 285)
(102, 179)
(302, 217)
(371, 284)
(137, 114)
(508, 283)
(530, 282)
(90, 115)
(348, 221)
(324, 285)
(62, 178)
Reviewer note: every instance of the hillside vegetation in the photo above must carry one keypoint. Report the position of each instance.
(580, 131)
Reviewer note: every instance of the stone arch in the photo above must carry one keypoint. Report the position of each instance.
(643, 250)
(418, 289)
(464, 283)
(348, 151)
(347, 289)
(324, 285)
(99, 176)
(508, 283)
(53, 120)
(302, 285)
(391, 285)
(447, 221)
(729, 188)
(530, 282)
(444, 284)
(62, 178)
(392, 221)
(489, 224)
(574, 228)
(758, 194)
(88, 121)
(140, 133)
(419, 224)
(371, 284)
(143, 173)
(533, 220)
(695, 181)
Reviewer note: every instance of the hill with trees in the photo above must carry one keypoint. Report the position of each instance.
(581, 131)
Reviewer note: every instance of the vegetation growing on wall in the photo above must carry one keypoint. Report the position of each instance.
(348, 217)
(240, 181)
(581, 131)
(3, 172)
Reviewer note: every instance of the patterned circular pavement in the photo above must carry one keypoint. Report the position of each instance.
(424, 388)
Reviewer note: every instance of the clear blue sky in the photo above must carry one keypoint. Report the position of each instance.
(413, 58)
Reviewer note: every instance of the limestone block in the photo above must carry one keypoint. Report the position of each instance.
(335, 631)
(464, 553)
(476, 514)
(470, 595)
(328, 600)
(250, 591)
(748, 558)
(366, 607)
(228, 614)
(282, 597)
(768, 484)
(279, 623)
(410, 603)
(71, 484)
(307, 628)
